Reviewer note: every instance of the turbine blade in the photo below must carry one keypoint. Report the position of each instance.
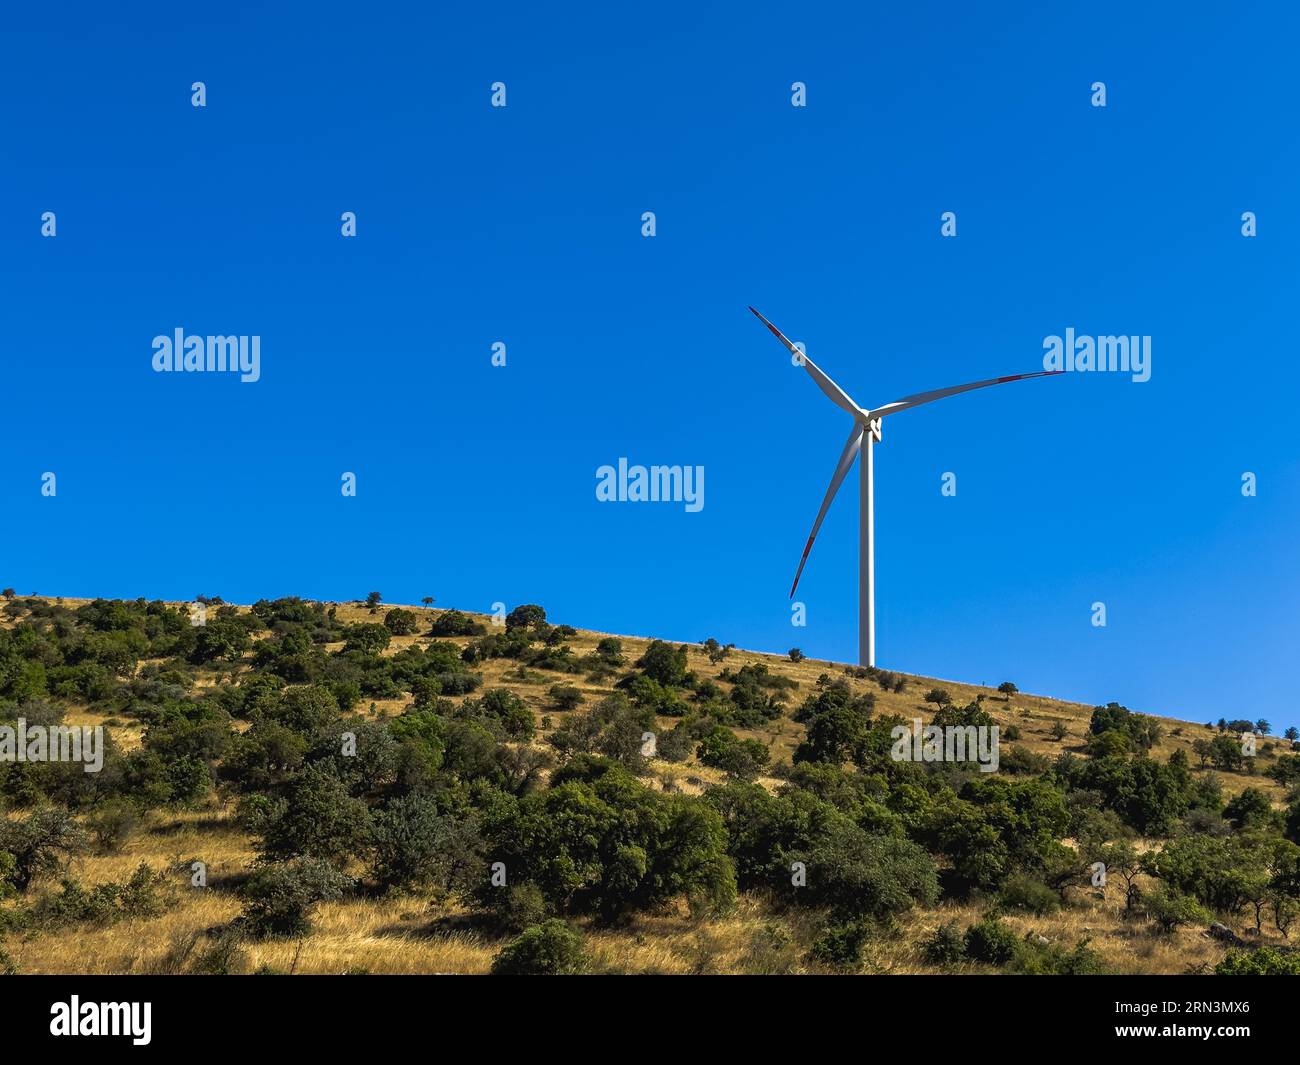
(851, 448)
(907, 402)
(832, 390)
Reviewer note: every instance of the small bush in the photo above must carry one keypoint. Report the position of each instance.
(1262, 962)
(1169, 910)
(564, 696)
(454, 623)
(111, 824)
(945, 946)
(610, 650)
(840, 945)
(548, 949)
(279, 898)
(1045, 959)
(677, 744)
(521, 906)
(140, 896)
(1022, 892)
(723, 749)
(991, 941)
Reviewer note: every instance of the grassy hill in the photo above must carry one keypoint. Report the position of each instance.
(423, 931)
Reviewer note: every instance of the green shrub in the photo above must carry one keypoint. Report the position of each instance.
(1262, 962)
(278, 898)
(676, 744)
(38, 845)
(454, 623)
(610, 650)
(1046, 959)
(723, 749)
(187, 954)
(319, 819)
(401, 622)
(944, 946)
(460, 682)
(840, 944)
(991, 941)
(521, 906)
(1169, 909)
(139, 896)
(1023, 892)
(367, 637)
(548, 949)
(529, 616)
(111, 824)
(564, 696)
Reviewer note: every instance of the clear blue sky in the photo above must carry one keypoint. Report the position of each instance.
(523, 225)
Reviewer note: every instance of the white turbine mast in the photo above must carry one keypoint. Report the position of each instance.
(866, 426)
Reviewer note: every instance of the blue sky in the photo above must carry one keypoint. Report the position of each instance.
(522, 225)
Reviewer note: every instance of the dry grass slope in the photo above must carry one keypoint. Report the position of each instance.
(411, 934)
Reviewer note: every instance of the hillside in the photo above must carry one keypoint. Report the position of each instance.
(423, 925)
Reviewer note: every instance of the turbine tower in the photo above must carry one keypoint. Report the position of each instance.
(866, 429)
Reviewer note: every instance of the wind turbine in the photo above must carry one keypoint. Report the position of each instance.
(866, 427)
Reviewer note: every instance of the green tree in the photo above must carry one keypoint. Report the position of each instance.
(401, 622)
(38, 845)
(415, 844)
(455, 623)
(857, 875)
(1250, 809)
(1120, 859)
(1225, 752)
(664, 664)
(367, 637)
(1169, 910)
(319, 820)
(940, 697)
(219, 639)
(723, 749)
(998, 826)
(597, 841)
(528, 616)
(610, 649)
(715, 650)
